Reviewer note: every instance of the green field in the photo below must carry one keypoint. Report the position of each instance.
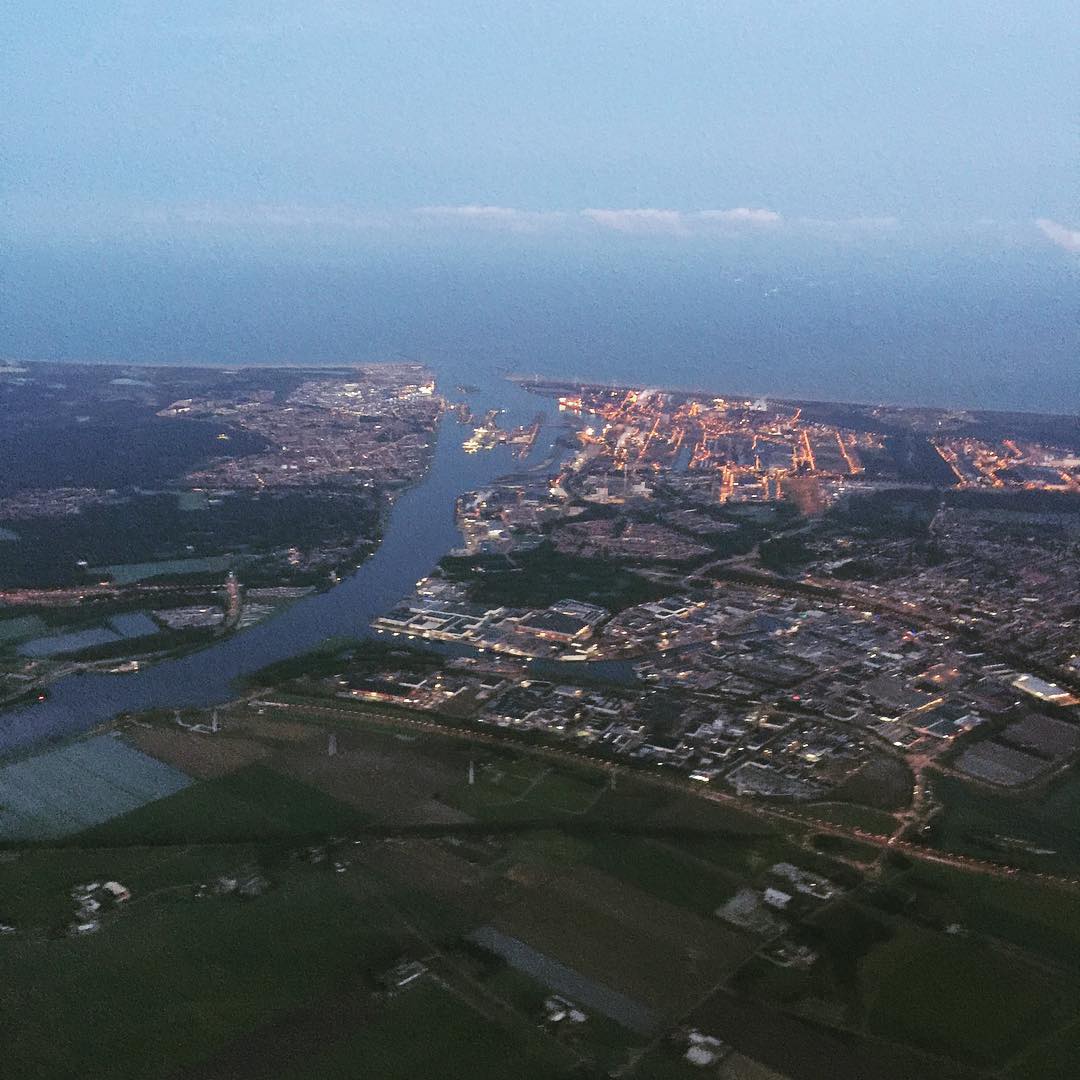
(620, 882)
(1053, 1058)
(959, 997)
(252, 804)
(772, 983)
(656, 867)
(36, 883)
(428, 1032)
(1044, 919)
(699, 854)
(521, 789)
(746, 855)
(165, 984)
(663, 871)
(854, 816)
(1046, 819)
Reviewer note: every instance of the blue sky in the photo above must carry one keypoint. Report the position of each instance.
(682, 117)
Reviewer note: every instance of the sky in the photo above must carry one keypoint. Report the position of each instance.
(693, 119)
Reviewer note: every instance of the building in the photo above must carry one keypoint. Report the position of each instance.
(564, 622)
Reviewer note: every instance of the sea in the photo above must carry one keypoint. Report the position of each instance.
(967, 325)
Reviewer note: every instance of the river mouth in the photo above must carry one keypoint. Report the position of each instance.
(420, 529)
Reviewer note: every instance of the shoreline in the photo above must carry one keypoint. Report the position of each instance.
(551, 386)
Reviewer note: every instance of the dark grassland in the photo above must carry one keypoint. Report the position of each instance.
(1046, 818)
(168, 982)
(153, 527)
(621, 883)
(540, 577)
(255, 804)
(124, 445)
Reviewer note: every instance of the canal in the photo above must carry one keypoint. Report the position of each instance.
(420, 530)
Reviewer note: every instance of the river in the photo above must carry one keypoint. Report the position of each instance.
(419, 532)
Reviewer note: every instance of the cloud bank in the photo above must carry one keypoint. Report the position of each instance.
(629, 220)
(503, 217)
(326, 223)
(744, 214)
(680, 222)
(1059, 234)
(637, 221)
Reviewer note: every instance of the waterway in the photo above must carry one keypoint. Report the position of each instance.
(419, 532)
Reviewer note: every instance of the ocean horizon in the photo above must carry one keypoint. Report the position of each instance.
(955, 329)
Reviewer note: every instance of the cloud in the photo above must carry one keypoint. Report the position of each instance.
(323, 221)
(635, 220)
(1056, 233)
(501, 217)
(680, 222)
(743, 215)
(638, 221)
(470, 215)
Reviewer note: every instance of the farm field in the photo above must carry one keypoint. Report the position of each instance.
(36, 882)
(524, 788)
(620, 936)
(1051, 1057)
(607, 891)
(1042, 920)
(202, 971)
(458, 1043)
(63, 791)
(254, 804)
(859, 817)
(918, 990)
(975, 820)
